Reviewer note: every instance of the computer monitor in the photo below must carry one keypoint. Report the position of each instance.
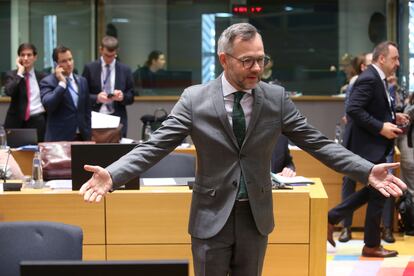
(100, 155)
(105, 268)
(17, 137)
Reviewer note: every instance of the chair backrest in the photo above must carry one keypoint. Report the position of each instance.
(17, 137)
(37, 240)
(173, 165)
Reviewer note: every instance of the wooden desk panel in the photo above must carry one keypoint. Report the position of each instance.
(287, 260)
(94, 252)
(148, 216)
(66, 207)
(292, 215)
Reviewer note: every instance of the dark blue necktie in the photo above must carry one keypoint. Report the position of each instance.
(72, 91)
(239, 130)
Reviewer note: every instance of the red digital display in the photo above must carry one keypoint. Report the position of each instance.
(244, 9)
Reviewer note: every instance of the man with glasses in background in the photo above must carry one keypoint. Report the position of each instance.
(110, 82)
(234, 122)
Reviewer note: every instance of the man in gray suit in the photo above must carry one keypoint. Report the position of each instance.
(234, 122)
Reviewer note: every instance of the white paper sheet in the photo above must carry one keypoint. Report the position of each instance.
(159, 181)
(100, 120)
(291, 180)
(65, 184)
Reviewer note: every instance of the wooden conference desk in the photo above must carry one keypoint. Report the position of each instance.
(306, 165)
(152, 224)
(59, 206)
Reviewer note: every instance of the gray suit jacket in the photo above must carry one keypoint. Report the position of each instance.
(200, 113)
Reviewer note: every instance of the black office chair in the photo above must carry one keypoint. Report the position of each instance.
(37, 240)
(173, 165)
(17, 137)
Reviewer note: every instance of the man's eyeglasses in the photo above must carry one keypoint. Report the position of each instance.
(249, 62)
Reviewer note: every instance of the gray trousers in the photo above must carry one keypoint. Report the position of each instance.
(237, 250)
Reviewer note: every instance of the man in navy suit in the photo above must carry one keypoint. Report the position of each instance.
(22, 85)
(370, 133)
(110, 82)
(65, 97)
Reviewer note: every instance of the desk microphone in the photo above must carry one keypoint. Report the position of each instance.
(3, 171)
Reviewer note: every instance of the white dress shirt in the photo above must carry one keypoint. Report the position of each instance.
(246, 102)
(36, 106)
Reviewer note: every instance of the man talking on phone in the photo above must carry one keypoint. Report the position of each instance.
(22, 85)
(65, 96)
(110, 82)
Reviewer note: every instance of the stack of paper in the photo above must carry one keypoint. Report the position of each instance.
(291, 180)
(65, 184)
(100, 120)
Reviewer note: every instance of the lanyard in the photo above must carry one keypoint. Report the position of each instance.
(108, 74)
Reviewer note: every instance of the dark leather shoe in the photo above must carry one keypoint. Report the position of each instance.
(330, 234)
(345, 235)
(378, 252)
(387, 235)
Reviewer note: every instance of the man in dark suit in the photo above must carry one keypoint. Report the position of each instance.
(65, 96)
(370, 133)
(282, 161)
(22, 85)
(110, 82)
(234, 122)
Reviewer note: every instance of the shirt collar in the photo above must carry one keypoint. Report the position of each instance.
(31, 72)
(228, 88)
(111, 65)
(71, 77)
(380, 72)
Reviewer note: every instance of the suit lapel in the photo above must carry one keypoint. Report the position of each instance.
(256, 109)
(99, 73)
(218, 103)
(117, 80)
(384, 93)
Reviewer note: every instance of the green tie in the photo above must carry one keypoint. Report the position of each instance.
(239, 130)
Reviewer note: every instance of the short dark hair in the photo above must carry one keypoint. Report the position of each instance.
(110, 43)
(25, 46)
(58, 50)
(153, 55)
(382, 49)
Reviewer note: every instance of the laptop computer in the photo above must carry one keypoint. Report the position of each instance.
(17, 137)
(100, 155)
